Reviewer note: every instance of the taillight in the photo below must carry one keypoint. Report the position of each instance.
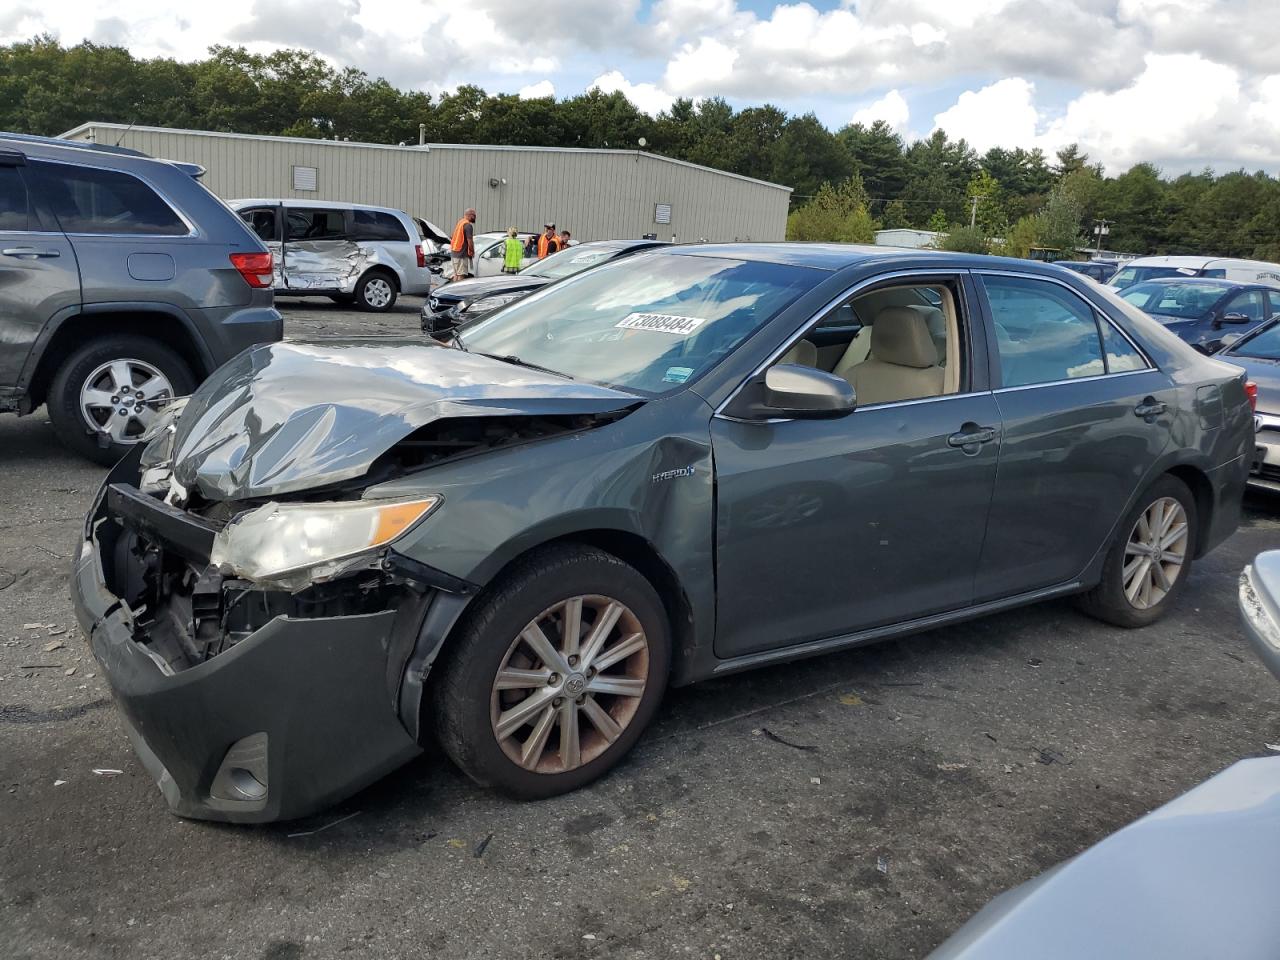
(254, 267)
(422, 255)
(1251, 391)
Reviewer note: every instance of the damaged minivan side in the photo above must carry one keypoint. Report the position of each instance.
(654, 472)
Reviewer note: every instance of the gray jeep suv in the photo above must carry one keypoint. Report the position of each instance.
(123, 283)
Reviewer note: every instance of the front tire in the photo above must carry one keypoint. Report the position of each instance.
(1148, 565)
(113, 386)
(554, 675)
(376, 292)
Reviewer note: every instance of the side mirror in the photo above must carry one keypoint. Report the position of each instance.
(1235, 318)
(792, 391)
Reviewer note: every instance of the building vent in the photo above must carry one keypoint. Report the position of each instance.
(662, 213)
(304, 178)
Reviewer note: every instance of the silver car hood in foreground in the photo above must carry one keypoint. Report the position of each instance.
(1195, 878)
(292, 416)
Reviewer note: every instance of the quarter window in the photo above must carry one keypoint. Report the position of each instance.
(1044, 332)
(13, 201)
(90, 200)
(376, 225)
(1121, 354)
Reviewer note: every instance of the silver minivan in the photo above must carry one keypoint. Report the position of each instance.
(351, 253)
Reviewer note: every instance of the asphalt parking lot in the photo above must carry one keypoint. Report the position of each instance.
(859, 805)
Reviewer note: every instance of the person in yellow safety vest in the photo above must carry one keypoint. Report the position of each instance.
(463, 245)
(548, 243)
(512, 252)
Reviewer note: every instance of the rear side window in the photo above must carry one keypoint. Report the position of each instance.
(376, 225)
(306, 224)
(1044, 332)
(14, 208)
(93, 201)
(1121, 354)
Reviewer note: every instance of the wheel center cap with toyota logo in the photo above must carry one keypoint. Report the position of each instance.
(575, 685)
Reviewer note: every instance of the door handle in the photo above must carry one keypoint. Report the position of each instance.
(971, 435)
(1149, 409)
(28, 253)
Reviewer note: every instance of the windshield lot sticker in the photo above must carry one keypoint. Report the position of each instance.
(677, 374)
(661, 323)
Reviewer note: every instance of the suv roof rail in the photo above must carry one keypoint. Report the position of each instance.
(72, 144)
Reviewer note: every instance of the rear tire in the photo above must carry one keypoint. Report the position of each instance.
(1149, 562)
(108, 360)
(376, 291)
(602, 694)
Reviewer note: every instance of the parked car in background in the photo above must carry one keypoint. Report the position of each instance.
(465, 301)
(1220, 268)
(489, 252)
(1098, 270)
(350, 253)
(512, 543)
(1201, 311)
(123, 283)
(1259, 353)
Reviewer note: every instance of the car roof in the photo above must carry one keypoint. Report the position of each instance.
(292, 202)
(837, 256)
(73, 151)
(1197, 263)
(1202, 281)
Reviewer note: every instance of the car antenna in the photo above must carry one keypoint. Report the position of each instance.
(126, 130)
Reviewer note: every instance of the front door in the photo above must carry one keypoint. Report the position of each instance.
(38, 273)
(1085, 418)
(828, 527)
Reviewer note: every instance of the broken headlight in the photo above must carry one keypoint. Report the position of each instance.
(299, 542)
(488, 304)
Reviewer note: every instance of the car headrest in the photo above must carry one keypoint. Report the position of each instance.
(900, 336)
(803, 353)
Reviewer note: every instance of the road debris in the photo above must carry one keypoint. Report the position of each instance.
(1048, 755)
(952, 767)
(53, 645)
(40, 666)
(58, 783)
(882, 864)
(1034, 662)
(786, 743)
(481, 847)
(588, 936)
(332, 823)
(816, 781)
(107, 772)
(69, 671)
(851, 700)
(1273, 747)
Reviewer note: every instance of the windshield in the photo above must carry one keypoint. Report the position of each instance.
(567, 262)
(1128, 276)
(1187, 301)
(645, 323)
(1265, 346)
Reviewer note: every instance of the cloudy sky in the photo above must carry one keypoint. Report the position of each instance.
(1184, 83)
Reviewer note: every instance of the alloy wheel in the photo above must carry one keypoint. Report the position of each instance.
(1155, 553)
(377, 292)
(123, 397)
(569, 684)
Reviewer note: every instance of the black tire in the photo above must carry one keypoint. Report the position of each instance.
(1107, 601)
(463, 685)
(377, 291)
(63, 399)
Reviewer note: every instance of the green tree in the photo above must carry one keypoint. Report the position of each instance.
(877, 155)
(965, 239)
(835, 214)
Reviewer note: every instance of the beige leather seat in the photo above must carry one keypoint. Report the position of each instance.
(803, 352)
(903, 364)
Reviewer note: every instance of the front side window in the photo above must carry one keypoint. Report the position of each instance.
(567, 262)
(1264, 346)
(643, 323)
(304, 224)
(262, 222)
(14, 209)
(1044, 332)
(94, 201)
(1248, 303)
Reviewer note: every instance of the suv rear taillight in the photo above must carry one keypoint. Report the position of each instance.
(254, 267)
(1251, 392)
(422, 255)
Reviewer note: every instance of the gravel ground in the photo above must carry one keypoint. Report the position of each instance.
(862, 804)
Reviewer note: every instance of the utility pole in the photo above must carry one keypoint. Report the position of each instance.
(1100, 229)
(973, 213)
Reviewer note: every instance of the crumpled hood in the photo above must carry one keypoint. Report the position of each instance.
(477, 288)
(295, 415)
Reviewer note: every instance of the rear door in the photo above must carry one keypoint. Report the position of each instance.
(38, 272)
(318, 254)
(1085, 416)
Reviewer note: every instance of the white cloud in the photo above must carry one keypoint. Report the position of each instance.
(699, 68)
(648, 97)
(891, 108)
(543, 88)
(1000, 115)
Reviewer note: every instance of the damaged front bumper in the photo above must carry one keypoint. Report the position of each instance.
(296, 713)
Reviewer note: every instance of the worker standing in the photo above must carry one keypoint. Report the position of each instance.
(548, 243)
(463, 245)
(565, 242)
(512, 252)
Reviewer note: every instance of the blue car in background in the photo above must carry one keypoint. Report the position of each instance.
(1100, 270)
(1203, 310)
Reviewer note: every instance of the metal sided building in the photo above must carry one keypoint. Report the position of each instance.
(596, 194)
